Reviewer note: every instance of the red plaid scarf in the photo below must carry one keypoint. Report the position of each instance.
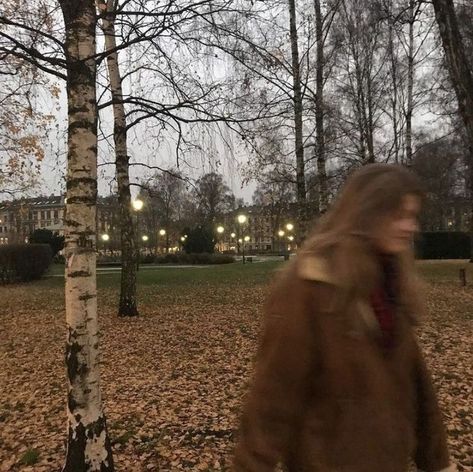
(384, 301)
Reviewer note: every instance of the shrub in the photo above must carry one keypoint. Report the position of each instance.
(443, 245)
(45, 236)
(147, 259)
(195, 259)
(59, 259)
(204, 259)
(24, 262)
(199, 240)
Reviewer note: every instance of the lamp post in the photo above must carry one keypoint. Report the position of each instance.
(162, 232)
(289, 227)
(241, 221)
(145, 239)
(137, 205)
(281, 234)
(291, 239)
(105, 238)
(220, 231)
(246, 239)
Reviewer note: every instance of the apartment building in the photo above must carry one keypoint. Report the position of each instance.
(19, 218)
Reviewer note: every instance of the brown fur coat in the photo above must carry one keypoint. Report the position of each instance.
(325, 397)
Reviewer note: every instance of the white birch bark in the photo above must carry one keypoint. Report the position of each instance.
(88, 445)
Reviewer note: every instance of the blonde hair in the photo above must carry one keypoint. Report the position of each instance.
(344, 234)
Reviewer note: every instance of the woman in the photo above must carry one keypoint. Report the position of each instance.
(340, 383)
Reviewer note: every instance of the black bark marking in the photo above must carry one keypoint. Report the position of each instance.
(77, 440)
(79, 273)
(72, 361)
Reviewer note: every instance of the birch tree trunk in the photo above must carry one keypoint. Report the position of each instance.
(127, 305)
(319, 110)
(297, 100)
(462, 80)
(88, 445)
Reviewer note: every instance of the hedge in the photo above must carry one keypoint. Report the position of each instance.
(443, 245)
(24, 262)
(189, 259)
(181, 258)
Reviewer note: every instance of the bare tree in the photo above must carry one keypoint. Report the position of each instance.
(461, 76)
(275, 198)
(213, 197)
(127, 305)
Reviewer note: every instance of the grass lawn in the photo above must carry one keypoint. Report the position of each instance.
(174, 377)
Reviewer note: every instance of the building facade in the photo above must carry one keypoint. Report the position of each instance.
(19, 218)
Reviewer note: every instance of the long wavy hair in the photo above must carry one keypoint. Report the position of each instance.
(344, 235)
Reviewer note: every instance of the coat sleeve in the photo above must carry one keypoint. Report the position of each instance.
(432, 451)
(278, 396)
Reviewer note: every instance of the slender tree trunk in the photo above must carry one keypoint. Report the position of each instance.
(462, 80)
(297, 100)
(88, 445)
(370, 122)
(410, 83)
(127, 305)
(395, 93)
(320, 111)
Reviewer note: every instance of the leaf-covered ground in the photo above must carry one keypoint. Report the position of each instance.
(173, 378)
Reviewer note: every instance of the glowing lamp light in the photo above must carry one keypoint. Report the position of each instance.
(137, 204)
(241, 219)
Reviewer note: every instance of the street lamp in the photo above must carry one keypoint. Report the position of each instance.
(220, 231)
(162, 233)
(241, 219)
(105, 238)
(289, 226)
(145, 238)
(137, 204)
(281, 234)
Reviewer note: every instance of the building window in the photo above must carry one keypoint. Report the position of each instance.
(56, 214)
(43, 217)
(48, 214)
